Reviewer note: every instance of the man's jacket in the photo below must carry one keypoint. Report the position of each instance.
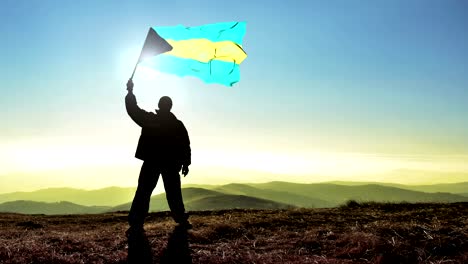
(163, 139)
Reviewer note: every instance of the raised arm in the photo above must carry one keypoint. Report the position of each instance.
(140, 116)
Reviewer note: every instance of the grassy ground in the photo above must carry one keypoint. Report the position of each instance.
(355, 233)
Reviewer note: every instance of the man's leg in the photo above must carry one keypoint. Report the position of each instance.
(172, 186)
(147, 180)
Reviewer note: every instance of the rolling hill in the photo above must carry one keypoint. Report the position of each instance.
(110, 196)
(158, 202)
(448, 187)
(456, 188)
(338, 194)
(31, 207)
(198, 199)
(229, 201)
(271, 195)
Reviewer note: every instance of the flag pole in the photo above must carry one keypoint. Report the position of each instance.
(134, 69)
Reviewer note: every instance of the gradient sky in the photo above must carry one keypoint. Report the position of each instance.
(330, 90)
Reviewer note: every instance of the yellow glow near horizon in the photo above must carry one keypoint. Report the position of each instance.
(24, 165)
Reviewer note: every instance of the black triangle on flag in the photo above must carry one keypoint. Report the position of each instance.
(154, 45)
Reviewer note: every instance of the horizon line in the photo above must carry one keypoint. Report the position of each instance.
(245, 183)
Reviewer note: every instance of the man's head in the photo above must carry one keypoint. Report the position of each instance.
(165, 104)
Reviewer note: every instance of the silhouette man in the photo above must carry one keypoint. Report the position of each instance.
(164, 147)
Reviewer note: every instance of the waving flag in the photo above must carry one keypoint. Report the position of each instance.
(210, 52)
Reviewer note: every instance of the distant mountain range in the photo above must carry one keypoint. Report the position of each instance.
(456, 188)
(272, 195)
(110, 196)
(336, 194)
(31, 207)
(198, 199)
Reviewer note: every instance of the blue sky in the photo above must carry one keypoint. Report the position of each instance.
(369, 77)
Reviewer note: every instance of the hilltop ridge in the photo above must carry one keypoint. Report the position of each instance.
(271, 195)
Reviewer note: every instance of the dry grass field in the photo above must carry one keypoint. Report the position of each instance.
(353, 233)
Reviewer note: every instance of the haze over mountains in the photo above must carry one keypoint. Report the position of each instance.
(457, 188)
(31, 207)
(110, 196)
(271, 195)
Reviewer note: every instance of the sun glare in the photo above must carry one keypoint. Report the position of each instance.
(150, 84)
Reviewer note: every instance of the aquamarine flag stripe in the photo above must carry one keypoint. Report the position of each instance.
(226, 31)
(215, 71)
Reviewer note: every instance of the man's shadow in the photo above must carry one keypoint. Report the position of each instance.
(177, 250)
(139, 249)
